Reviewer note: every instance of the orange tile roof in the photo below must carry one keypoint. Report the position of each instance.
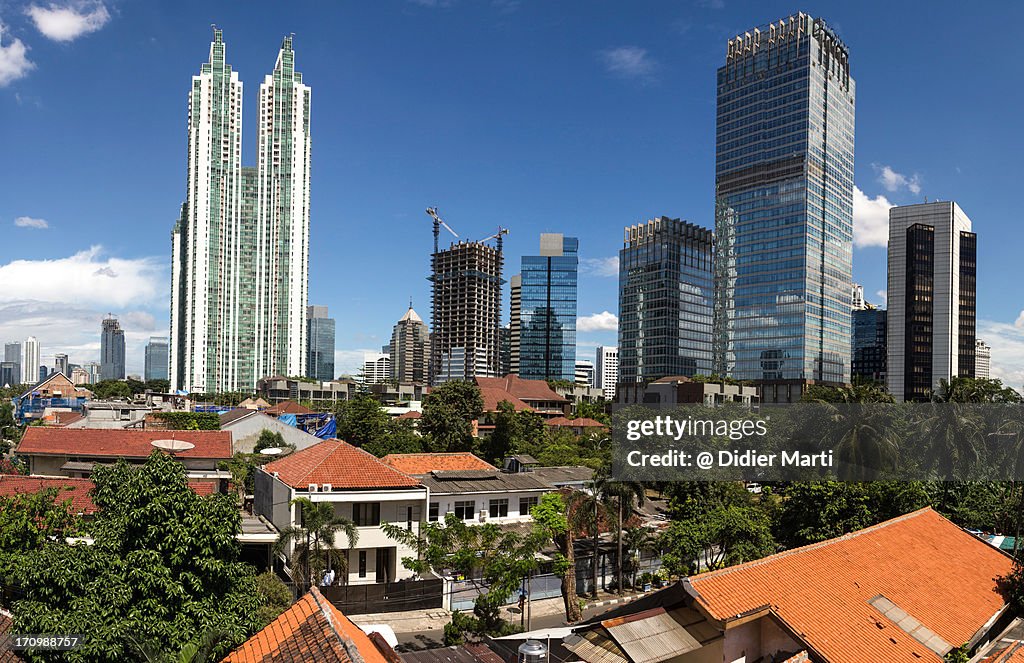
(120, 443)
(939, 574)
(411, 414)
(526, 390)
(339, 464)
(427, 463)
(492, 396)
(76, 490)
(1011, 654)
(288, 407)
(579, 422)
(6, 624)
(310, 630)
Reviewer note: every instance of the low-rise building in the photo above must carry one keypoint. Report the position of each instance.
(482, 496)
(55, 393)
(579, 425)
(679, 390)
(246, 426)
(361, 488)
(74, 491)
(280, 388)
(534, 394)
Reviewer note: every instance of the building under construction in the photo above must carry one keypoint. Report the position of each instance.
(466, 309)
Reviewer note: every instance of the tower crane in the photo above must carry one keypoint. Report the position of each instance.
(498, 236)
(438, 222)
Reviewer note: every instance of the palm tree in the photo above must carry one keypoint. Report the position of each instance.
(624, 496)
(638, 539)
(312, 540)
(587, 511)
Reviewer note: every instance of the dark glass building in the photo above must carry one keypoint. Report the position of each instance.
(157, 356)
(112, 350)
(547, 310)
(320, 339)
(869, 344)
(784, 204)
(665, 301)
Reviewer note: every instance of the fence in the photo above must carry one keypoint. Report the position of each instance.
(386, 596)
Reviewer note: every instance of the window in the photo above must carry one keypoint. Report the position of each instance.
(408, 517)
(525, 504)
(499, 508)
(434, 511)
(362, 563)
(366, 514)
(465, 510)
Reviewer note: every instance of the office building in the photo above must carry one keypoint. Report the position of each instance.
(320, 339)
(157, 352)
(858, 303)
(665, 300)
(505, 350)
(982, 360)
(547, 310)
(61, 364)
(240, 247)
(9, 373)
(466, 312)
(606, 370)
(79, 376)
(931, 298)
(410, 349)
(112, 350)
(12, 355)
(515, 315)
(584, 373)
(784, 205)
(31, 362)
(869, 344)
(376, 367)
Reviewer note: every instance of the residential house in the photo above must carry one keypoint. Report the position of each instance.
(312, 630)
(578, 426)
(361, 487)
(425, 463)
(54, 394)
(280, 388)
(482, 496)
(246, 425)
(73, 452)
(536, 395)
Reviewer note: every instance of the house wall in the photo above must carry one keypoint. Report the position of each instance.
(271, 500)
(446, 504)
(245, 432)
(47, 465)
(760, 637)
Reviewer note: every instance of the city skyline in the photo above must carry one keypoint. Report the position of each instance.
(430, 164)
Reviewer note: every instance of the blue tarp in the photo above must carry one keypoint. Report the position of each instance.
(288, 419)
(328, 431)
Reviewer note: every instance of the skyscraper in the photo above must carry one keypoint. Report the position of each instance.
(515, 307)
(931, 298)
(12, 355)
(466, 312)
(156, 359)
(320, 338)
(60, 364)
(112, 350)
(240, 247)
(784, 204)
(665, 300)
(606, 370)
(547, 310)
(869, 344)
(376, 367)
(982, 359)
(410, 349)
(31, 360)
(584, 373)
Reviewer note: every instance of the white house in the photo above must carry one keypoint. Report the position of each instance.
(361, 488)
(246, 425)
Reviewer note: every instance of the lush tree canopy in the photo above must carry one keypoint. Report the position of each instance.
(448, 413)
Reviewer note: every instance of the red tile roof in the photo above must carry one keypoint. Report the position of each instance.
(427, 463)
(579, 422)
(120, 443)
(339, 464)
(1014, 653)
(288, 407)
(76, 490)
(411, 414)
(525, 390)
(940, 575)
(310, 630)
(492, 396)
(6, 624)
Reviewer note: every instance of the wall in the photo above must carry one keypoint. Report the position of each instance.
(245, 432)
(446, 503)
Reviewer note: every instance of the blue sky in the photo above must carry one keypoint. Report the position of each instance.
(575, 117)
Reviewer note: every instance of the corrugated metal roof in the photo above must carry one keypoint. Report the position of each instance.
(594, 647)
(498, 482)
(651, 636)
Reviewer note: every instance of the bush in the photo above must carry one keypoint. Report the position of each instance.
(276, 596)
(189, 420)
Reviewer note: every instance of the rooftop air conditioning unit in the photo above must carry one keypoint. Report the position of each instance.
(312, 488)
(483, 516)
(326, 488)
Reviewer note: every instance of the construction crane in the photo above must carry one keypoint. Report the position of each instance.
(498, 235)
(438, 222)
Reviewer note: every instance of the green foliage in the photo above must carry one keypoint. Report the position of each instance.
(361, 421)
(189, 420)
(597, 411)
(162, 571)
(513, 432)
(691, 499)
(820, 510)
(269, 439)
(28, 521)
(961, 654)
(276, 596)
(564, 385)
(723, 537)
(975, 390)
(310, 546)
(10, 432)
(859, 392)
(448, 413)
(111, 390)
(400, 437)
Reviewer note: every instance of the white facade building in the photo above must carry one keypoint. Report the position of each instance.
(31, 360)
(606, 370)
(376, 367)
(584, 373)
(982, 359)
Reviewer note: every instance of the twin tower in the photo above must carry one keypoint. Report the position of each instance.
(240, 247)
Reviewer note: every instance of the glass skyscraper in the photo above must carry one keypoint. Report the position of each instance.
(547, 310)
(112, 350)
(665, 301)
(320, 334)
(156, 359)
(784, 204)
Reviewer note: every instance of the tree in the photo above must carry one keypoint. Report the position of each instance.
(819, 510)
(724, 537)
(551, 516)
(448, 414)
(28, 521)
(624, 497)
(10, 432)
(637, 540)
(513, 431)
(975, 390)
(111, 390)
(400, 437)
(595, 411)
(361, 420)
(276, 596)
(268, 439)
(162, 570)
(312, 541)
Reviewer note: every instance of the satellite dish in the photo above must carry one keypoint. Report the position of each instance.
(271, 451)
(173, 445)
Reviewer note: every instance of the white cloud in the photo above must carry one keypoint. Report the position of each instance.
(893, 181)
(350, 362)
(1007, 342)
(67, 22)
(30, 222)
(88, 278)
(600, 266)
(884, 296)
(14, 62)
(870, 219)
(603, 321)
(629, 62)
